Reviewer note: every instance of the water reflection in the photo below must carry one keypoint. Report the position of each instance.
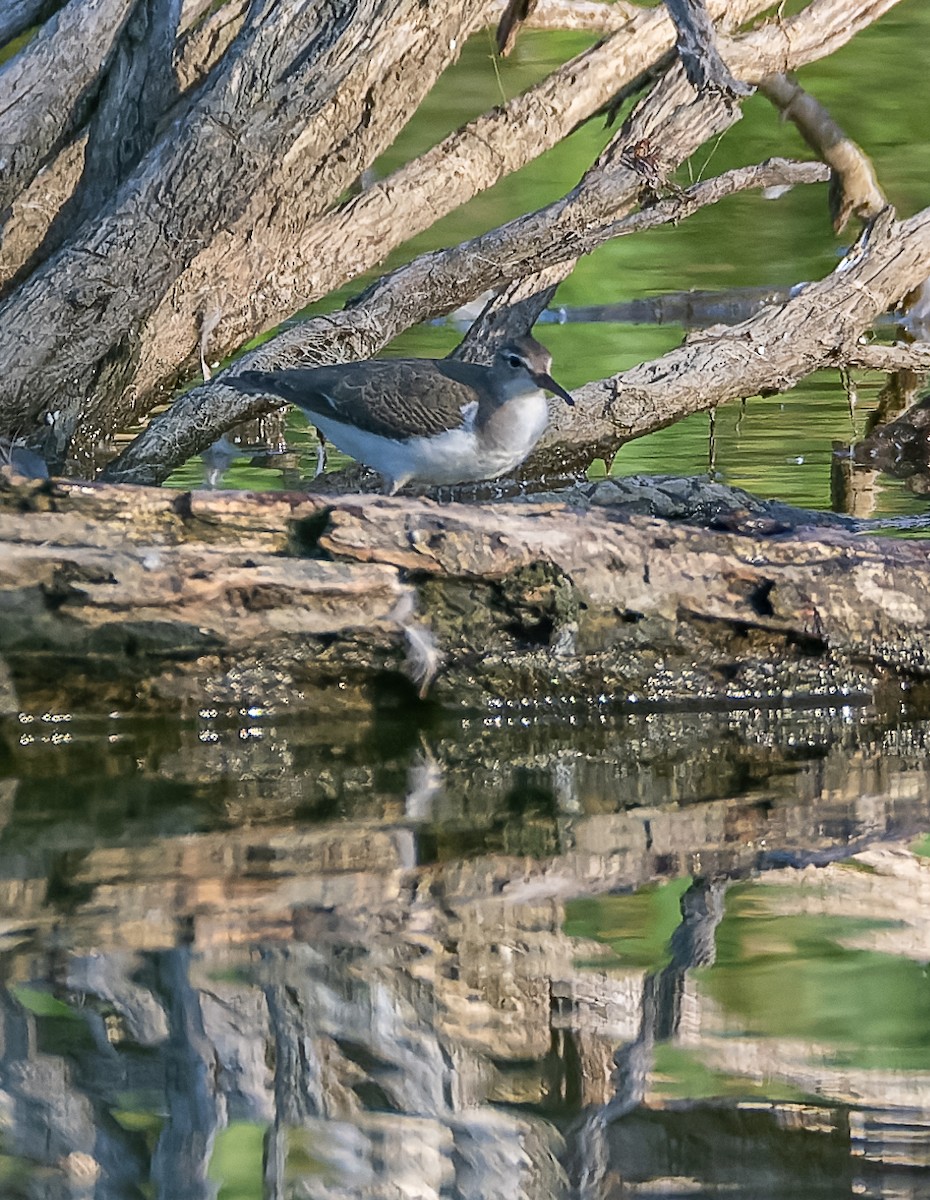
(655, 953)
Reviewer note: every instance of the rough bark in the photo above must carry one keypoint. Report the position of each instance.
(357, 235)
(818, 327)
(17, 16)
(139, 86)
(25, 242)
(324, 73)
(109, 592)
(697, 49)
(41, 87)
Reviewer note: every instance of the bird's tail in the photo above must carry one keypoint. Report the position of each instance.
(255, 383)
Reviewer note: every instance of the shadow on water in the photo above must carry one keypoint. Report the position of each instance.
(663, 953)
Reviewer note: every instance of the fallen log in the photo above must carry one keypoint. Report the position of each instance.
(117, 596)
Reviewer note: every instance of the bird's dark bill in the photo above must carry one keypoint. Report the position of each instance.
(547, 382)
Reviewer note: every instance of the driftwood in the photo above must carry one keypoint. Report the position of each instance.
(114, 595)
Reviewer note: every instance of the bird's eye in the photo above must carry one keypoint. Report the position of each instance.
(514, 361)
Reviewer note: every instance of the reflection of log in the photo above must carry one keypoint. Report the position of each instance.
(247, 599)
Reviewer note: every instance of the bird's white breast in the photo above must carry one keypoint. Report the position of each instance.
(460, 455)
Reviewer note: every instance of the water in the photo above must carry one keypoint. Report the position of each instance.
(647, 953)
(779, 447)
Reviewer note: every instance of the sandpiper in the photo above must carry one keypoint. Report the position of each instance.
(424, 420)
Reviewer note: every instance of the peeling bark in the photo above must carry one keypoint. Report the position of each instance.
(109, 592)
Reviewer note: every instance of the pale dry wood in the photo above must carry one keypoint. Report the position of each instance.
(16, 16)
(673, 118)
(32, 212)
(40, 87)
(204, 593)
(818, 327)
(900, 356)
(324, 82)
(242, 292)
(200, 48)
(23, 245)
(138, 86)
(587, 16)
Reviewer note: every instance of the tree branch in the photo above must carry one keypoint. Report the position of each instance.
(195, 420)
(140, 84)
(325, 253)
(897, 357)
(697, 49)
(321, 81)
(818, 327)
(16, 16)
(855, 190)
(41, 86)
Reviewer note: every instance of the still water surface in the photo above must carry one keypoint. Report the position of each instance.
(662, 953)
(877, 87)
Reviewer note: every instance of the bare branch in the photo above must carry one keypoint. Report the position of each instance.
(515, 13)
(697, 49)
(413, 291)
(139, 86)
(856, 189)
(592, 16)
(818, 327)
(41, 86)
(83, 311)
(31, 214)
(16, 16)
(328, 251)
(24, 243)
(898, 357)
(201, 47)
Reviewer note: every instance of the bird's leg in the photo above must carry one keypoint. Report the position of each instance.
(320, 454)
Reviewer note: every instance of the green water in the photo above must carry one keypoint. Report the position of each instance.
(278, 956)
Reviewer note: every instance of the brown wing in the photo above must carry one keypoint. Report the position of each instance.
(396, 398)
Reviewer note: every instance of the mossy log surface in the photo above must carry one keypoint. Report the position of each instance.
(114, 595)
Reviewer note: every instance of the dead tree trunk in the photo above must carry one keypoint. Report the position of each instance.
(303, 100)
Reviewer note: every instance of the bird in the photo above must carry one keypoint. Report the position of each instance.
(424, 420)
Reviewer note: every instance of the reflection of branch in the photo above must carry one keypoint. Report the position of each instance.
(854, 189)
(691, 945)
